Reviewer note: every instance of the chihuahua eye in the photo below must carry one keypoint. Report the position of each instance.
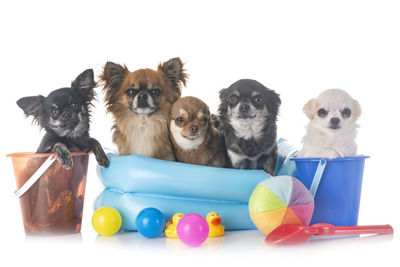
(204, 120)
(156, 92)
(130, 92)
(322, 112)
(258, 99)
(233, 99)
(179, 120)
(54, 111)
(346, 113)
(74, 105)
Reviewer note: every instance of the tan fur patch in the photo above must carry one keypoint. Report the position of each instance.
(205, 149)
(183, 113)
(144, 135)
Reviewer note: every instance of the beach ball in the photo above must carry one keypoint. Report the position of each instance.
(280, 200)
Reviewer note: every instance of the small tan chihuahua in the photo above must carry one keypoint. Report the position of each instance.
(195, 139)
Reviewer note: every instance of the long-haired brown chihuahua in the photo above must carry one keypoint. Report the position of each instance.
(140, 102)
(195, 139)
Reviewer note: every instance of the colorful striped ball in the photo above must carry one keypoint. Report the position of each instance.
(280, 200)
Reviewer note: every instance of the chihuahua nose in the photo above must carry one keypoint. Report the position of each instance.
(335, 121)
(193, 129)
(66, 116)
(142, 97)
(244, 107)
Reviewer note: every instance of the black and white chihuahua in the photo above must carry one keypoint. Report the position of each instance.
(247, 117)
(65, 115)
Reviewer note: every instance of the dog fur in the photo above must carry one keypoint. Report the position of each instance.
(143, 129)
(195, 139)
(65, 115)
(332, 129)
(248, 114)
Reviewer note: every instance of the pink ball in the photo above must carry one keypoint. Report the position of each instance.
(192, 229)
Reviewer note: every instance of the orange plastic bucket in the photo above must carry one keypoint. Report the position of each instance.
(54, 203)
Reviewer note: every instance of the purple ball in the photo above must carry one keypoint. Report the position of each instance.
(192, 229)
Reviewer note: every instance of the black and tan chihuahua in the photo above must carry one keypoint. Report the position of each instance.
(65, 116)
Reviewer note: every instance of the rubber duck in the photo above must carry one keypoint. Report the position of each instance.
(170, 227)
(214, 222)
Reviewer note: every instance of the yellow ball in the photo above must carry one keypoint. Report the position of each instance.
(106, 221)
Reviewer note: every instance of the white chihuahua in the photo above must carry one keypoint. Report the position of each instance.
(332, 129)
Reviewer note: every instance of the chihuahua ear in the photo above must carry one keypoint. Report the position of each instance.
(273, 102)
(113, 75)
(222, 94)
(84, 85)
(356, 110)
(32, 106)
(310, 107)
(173, 70)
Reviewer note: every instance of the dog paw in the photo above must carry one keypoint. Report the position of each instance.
(63, 155)
(215, 120)
(66, 161)
(101, 157)
(103, 161)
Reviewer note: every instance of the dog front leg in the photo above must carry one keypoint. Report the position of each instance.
(98, 151)
(270, 162)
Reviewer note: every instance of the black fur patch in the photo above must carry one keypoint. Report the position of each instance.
(264, 146)
(65, 115)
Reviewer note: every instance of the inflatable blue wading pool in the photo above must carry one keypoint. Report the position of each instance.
(134, 182)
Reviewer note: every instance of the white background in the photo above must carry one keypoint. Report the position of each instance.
(298, 48)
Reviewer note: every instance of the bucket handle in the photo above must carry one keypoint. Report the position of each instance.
(28, 184)
(318, 176)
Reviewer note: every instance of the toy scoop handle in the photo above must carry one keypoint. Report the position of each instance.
(358, 230)
(328, 229)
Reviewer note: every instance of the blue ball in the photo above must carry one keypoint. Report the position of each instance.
(150, 222)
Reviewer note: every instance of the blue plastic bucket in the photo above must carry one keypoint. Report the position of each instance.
(337, 198)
